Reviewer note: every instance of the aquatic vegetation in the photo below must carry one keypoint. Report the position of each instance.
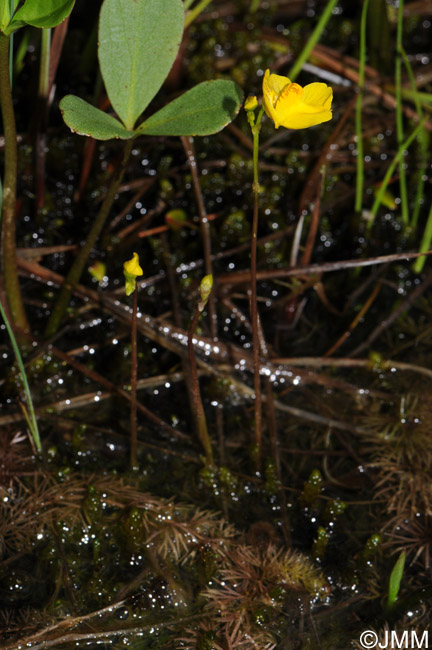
(130, 529)
(148, 540)
(401, 453)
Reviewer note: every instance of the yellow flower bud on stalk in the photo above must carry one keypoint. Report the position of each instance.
(205, 291)
(251, 103)
(131, 270)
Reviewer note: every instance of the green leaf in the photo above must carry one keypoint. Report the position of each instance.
(42, 13)
(5, 15)
(395, 579)
(84, 119)
(202, 110)
(138, 43)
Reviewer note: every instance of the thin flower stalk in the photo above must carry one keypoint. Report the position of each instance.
(256, 127)
(289, 105)
(132, 270)
(359, 105)
(199, 413)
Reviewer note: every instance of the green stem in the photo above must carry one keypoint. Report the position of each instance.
(30, 412)
(44, 63)
(358, 117)
(313, 40)
(77, 268)
(390, 170)
(195, 12)
(423, 140)
(41, 117)
(399, 116)
(134, 364)
(256, 127)
(425, 244)
(200, 418)
(10, 268)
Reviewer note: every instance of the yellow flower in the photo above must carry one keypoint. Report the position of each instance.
(131, 270)
(294, 107)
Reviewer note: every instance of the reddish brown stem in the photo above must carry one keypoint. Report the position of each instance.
(200, 418)
(134, 372)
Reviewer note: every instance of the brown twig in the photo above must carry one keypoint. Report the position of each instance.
(200, 418)
(355, 322)
(242, 277)
(386, 322)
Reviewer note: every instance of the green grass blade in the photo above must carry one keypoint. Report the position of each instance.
(31, 416)
(425, 244)
(395, 579)
(399, 117)
(423, 140)
(313, 40)
(389, 172)
(195, 12)
(358, 116)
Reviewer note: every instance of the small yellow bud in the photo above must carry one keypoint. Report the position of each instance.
(131, 270)
(132, 266)
(251, 103)
(98, 270)
(205, 290)
(175, 219)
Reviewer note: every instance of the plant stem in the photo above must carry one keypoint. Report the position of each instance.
(400, 152)
(254, 306)
(134, 365)
(77, 268)
(29, 411)
(200, 418)
(423, 141)
(399, 116)
(358, 116)
(41, 117)
(188, 145)
(425, 244)
(10, 269)
(195, 12)
(313, 39)
(189, 148)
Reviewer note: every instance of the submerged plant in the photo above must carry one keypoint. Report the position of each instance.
(231, 588)
(414, 536)
(400, 446)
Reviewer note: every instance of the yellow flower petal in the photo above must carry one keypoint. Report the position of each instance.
(318, 94)
(294, 107)
(272, 86)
